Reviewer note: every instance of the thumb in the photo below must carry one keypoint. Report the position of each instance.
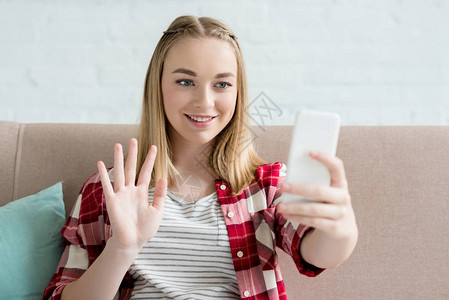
(160, 192)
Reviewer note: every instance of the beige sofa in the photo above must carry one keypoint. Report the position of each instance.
(398, 179)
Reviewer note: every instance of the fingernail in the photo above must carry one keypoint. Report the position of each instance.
(314, 153)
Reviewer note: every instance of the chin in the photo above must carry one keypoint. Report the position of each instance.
(202, 140)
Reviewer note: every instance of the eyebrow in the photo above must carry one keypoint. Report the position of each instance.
(192, 73)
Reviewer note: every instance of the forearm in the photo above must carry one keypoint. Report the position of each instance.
(102, 279)
(322, 251)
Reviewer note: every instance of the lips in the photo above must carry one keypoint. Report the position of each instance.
(200, 124)
(200, 119)
(200, 116)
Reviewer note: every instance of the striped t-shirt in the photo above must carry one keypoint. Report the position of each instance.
(254, 226)
(190, 256)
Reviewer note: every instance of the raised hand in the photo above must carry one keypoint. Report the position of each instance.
(333, 215)
(134, 221)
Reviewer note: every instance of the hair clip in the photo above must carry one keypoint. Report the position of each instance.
(232, 36)
(174, 31)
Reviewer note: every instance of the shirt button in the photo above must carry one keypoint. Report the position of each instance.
(222, 187)
(230, 214)
(240, 254)
(246, 293)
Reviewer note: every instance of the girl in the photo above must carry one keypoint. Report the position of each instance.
(134, 233)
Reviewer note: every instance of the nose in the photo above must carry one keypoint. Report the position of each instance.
(204, 98)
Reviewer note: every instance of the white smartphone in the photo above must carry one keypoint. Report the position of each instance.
(313, 131)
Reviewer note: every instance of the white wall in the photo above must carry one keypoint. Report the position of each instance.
(383, 62)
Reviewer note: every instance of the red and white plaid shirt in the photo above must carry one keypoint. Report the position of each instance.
(254, 227)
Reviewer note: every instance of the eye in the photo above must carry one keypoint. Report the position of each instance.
(223, 85)
(184, 82)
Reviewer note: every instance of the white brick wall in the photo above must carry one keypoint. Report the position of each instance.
(383, 62)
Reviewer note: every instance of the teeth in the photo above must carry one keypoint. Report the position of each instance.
(200, 119)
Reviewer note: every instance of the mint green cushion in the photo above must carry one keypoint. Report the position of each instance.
(30, 243)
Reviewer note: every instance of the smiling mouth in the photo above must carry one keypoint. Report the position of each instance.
(200, 119)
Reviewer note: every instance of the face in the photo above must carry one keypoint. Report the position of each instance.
(199, 79)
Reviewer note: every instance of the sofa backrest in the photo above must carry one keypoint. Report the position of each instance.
(398, 179)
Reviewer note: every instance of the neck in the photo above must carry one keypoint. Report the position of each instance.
(193, 159)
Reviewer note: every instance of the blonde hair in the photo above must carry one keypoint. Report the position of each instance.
(232, 155)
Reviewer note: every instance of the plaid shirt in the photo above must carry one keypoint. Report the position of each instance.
(254, 229)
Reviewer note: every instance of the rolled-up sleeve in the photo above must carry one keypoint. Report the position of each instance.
(86, 232)
(289, 234)
(74, 260)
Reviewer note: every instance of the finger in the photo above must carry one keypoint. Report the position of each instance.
(317, 192)
(147, 167)
(335, 166)
(105, 182)
(317, 210)
(323, 224)
(118, 167)
(131, 162)
(160, 193)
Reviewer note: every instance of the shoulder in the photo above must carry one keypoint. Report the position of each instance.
(94, 181)
(91, 196)
(88, 224)
(268, 176)
(265, 188)
(271, 171)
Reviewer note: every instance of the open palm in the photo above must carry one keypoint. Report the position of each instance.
(134, 221)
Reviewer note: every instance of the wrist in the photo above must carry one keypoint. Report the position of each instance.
(325, 250)
(346, 235)
(127, 252)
